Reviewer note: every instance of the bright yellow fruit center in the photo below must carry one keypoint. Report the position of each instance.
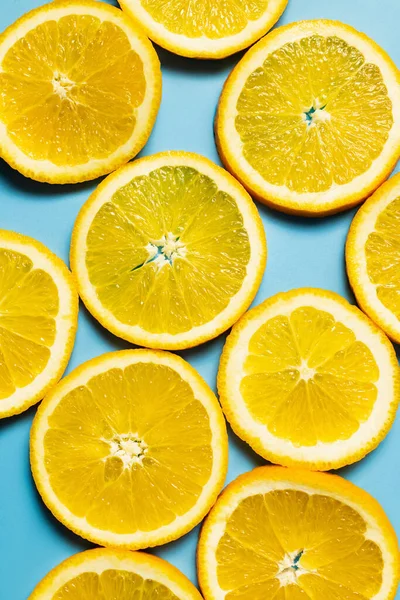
(113, 584)
(131, 450)
(70, 90)
(292, 545)
(28, 308)
(308, 379)
(382, 252)
(314, 114)
(168, 251)
(214, 19)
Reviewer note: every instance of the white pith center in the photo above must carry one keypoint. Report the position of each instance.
(320, 116)
(166, 250)
(289, 568)
(316, 114)
(61, 84)
(129, 448)
(306, 372)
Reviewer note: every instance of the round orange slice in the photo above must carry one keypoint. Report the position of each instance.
(308, 380)
(130, 449)
(169, 251)
(309, 119)
(80, 90)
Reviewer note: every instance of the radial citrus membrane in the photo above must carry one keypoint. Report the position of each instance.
(130, 449)
(80, 91)
(206, 29)
(110, 574)
(373, 257)
(38, 319)
(306, 379)
(169, 251)
(309, 118)
(288, 534)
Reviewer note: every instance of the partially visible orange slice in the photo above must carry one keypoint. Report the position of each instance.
(373, 257)
(114, 575)
(38, 320)
(206, 28)
(289, 534)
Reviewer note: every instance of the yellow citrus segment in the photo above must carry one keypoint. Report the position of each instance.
(373, 257)
(332, 141)
(169, 251)
(189, 222)
(210, 29)
(111, 582)
(131, 449)
(77, 80)
(211, 19)
(301, 386)
(294, 535)
(37, 324)
(307, 137)
(109, 574)
(315, 365)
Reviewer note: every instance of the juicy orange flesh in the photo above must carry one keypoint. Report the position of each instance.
(70, 90)
(313, 115)
(168, 287)
(28, 307)
(113, 584)
(382, 252)
(89, 462)
(308, 379)
(291, 545)
(214, 19)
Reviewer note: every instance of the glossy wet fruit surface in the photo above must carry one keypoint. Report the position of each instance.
(289, 534)
(130, 450)
(305, 376)
(80, 91)
(169, 251)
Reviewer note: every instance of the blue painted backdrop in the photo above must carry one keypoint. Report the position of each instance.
(301, 253)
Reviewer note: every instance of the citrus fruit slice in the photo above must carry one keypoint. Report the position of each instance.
(373, 257)
(289, 534)
(105, 574)
(80, 90)
(206, 29)
(38, 320)
(130, 449)
(309, 120)
(169, 251)
(307, 379)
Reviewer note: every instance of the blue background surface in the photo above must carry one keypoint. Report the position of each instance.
(301, 253)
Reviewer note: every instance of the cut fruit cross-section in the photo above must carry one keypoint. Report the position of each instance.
(38, 320)
(130, 449)
(288, 534)
(309, 120)
(169, 251)
(306, 379)
(80, 90)
(102, 574)
(373, 257)
(206, 28)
